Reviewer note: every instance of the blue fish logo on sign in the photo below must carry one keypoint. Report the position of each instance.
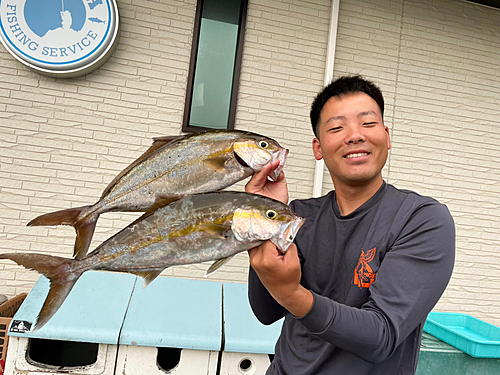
(58, 16)
(60, 37)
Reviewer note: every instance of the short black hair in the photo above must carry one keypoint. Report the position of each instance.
(342, 86)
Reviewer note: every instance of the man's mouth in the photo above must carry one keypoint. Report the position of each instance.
(356, 155)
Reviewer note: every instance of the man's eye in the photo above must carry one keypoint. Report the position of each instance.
(369, 123)
(335, 129)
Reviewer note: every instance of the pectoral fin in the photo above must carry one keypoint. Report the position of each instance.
(216, 230)
(217, 264)
(217, 163)
(148, 276)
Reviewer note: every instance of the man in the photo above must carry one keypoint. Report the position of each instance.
(370, 262)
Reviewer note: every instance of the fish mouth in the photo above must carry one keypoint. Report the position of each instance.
(257, 160)
(240, 160)
(287, 234)
(281, 156)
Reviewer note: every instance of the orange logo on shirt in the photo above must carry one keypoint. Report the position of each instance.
(363, 273)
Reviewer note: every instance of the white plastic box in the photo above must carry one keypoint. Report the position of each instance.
(142, 360)
(18, 362)
(244, 363)
(248, 343)
(178, 315)
(92, 313)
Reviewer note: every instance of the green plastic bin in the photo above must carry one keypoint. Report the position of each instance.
(439, 358)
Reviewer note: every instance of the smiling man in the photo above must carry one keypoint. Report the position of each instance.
(371, 260)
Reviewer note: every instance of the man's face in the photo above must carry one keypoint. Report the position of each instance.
(353, 140)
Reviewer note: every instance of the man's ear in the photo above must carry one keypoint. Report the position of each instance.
(388, 138)
(317, 149)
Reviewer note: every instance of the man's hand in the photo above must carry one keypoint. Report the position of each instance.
(262, 185)
(281, 274)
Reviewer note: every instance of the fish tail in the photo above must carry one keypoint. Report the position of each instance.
(60, 274)
(84, 225)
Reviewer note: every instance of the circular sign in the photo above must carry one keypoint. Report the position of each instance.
(60, 38)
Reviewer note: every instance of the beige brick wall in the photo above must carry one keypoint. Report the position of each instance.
(62, 141)
(436, 62)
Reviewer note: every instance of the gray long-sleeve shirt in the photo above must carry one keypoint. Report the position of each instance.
(375, 274)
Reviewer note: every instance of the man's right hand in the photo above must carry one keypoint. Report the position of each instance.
(280, 275)
(262, 185)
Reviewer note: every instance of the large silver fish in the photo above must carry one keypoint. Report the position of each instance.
(172, 167)
(194, 229)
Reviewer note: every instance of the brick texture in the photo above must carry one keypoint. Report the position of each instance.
(435, 62)
(63, 141)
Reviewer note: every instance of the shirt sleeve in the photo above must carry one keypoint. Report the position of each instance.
(410, 280)
(264, 306)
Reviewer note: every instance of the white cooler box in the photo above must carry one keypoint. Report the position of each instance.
(249, 344)
(109, 324)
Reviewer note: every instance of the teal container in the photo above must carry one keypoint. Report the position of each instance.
(471, 335)
(440, 358)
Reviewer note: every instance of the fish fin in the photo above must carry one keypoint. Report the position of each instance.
(157, 143)
(63, 217)
(148, 276)
(217, 163)
(165, 200)
(160, 141)
(84, 234)
(217, 264)
(55, 298)
(161, 201)
(61, 281)
(216, 230)
(84, 229)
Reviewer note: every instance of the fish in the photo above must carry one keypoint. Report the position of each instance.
(172, 167)
(194, 229)
(96, 20)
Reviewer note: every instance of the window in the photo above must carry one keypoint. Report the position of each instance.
(214, 71)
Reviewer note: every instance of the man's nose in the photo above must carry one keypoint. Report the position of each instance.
(355, 134)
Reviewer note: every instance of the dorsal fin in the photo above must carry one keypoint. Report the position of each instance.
(166, 139)
(157, 143)
(161, 201)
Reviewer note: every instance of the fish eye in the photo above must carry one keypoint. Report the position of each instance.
(263, 144)
(271, 214)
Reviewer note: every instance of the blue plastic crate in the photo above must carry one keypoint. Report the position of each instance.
(471, 335)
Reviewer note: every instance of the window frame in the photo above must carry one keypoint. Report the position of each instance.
(186, 127)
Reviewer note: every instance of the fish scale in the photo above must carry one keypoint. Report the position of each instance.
(172, 167)
(205, 227)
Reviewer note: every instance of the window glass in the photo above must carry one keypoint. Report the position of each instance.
(213, 80)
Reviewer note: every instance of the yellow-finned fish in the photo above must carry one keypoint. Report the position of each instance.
(194, 229)
(173, 167)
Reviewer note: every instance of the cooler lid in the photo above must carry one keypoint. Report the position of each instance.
(93, 311)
